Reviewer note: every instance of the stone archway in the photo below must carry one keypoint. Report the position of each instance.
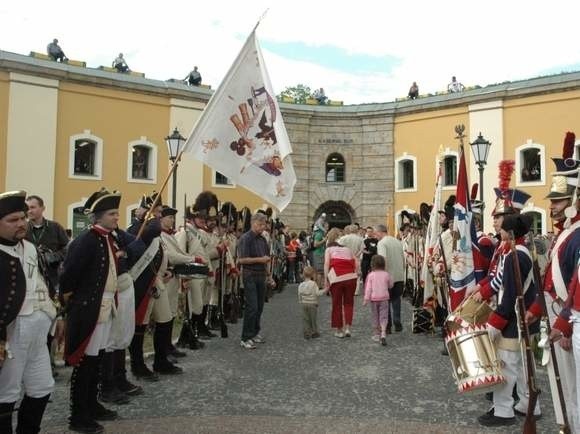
(338, 213)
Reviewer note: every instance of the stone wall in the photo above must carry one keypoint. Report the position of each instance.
(365, 142)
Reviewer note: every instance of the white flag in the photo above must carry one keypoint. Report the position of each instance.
(431, 243)
(241, 133)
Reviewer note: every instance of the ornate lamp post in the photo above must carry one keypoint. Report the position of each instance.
(480, 149)
(174, 143)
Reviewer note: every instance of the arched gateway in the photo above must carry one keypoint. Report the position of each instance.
(338, 213)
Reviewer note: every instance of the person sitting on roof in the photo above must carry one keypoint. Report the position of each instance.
(193, 78)
(120, 65)
(55, 52)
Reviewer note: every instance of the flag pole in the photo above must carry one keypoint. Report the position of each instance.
(158, 197)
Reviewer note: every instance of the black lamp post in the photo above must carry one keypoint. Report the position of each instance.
(480, 149)
(174, 143)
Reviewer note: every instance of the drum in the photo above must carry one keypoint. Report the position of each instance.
(192, 270)
(469, 312)
(476, 367)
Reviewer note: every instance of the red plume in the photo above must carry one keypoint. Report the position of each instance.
(506, 168)
(568, 151)
(474, 189)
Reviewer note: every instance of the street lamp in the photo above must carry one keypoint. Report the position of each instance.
(174, 143)
(480, 149)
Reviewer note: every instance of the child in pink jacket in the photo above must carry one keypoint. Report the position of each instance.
(377, 287)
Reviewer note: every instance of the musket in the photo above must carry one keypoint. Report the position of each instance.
(220, 312)
(187, 319)
(445, 289)
(565, 427)
(529, 361)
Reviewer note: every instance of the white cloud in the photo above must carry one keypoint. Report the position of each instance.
(480, 43)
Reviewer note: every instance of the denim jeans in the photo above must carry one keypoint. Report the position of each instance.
(254, 294)
(395, 303)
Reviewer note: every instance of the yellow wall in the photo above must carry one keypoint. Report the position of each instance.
(239, 196)
(118, 118)
(544, 120)
(4, 98)
(421, 135)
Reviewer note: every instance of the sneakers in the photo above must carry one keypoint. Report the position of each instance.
(339, 335)
(258, 339)
(347, 333)
(248, 344)
(376, 338)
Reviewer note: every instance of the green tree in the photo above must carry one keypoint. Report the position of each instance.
(299, 92)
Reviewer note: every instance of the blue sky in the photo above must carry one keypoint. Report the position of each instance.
(360, 52)
(332, 57)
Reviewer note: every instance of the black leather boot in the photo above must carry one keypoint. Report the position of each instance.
(161, 340)
(212, 318)
(30, 414)
(194, 342)
(202, 330)
(172, 350)
(184, 336)
(109, 391)
(96, 409)
(120, 375)
(138, 367)
(6, 410)
(81, 418)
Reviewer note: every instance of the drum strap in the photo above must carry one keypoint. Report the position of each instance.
(145, 259)
(199, 238)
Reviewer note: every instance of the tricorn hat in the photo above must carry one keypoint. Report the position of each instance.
(12, 201)
(102, 200)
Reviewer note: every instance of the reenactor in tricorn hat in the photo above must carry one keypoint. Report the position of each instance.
(88, 287)
(26, 314)
(561, 274)
(145, 205)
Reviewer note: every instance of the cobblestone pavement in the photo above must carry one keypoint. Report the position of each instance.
(290, 385)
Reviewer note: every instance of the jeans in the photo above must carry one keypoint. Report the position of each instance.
(395, 303)
(255, 295)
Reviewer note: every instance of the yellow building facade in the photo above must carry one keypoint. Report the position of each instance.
(66, 131)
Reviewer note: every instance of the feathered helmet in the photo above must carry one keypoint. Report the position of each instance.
(565, 178)
(448, 208)
(508, 200)
(425, 213)
(245, 218)
(205, 206)
(228, 213)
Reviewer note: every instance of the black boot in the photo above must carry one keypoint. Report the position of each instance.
(109, 391)
(96, 409)
(194, 342)
(138, 367)
(81, 418)
(172, 351)
(161, 341)
(120, 375)
(202, 330)
(6, 410)
(212, 319)
(30, 414)
(184, 335)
